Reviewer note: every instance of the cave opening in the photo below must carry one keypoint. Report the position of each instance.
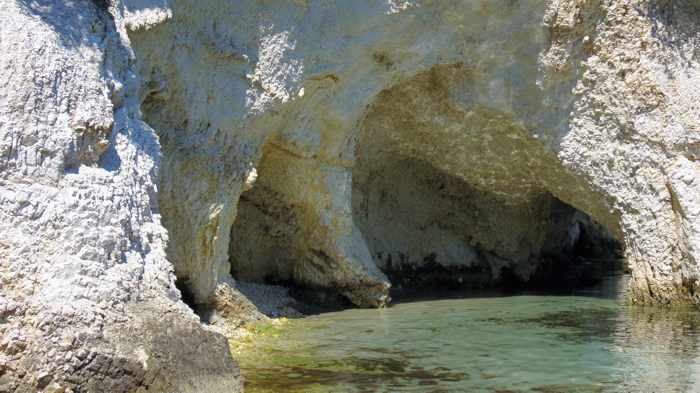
(271, 242)
(450, 193)
(445, 193)
(430, 233)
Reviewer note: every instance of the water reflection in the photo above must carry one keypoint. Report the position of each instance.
(590, 342)
(661, 349)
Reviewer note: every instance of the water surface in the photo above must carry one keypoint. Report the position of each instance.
(587, 342)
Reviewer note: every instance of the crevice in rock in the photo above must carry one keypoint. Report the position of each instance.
(185, 292)
(188, 297)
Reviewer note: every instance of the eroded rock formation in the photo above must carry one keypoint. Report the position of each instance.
(87, 296)
(326, 144)
(444, 177)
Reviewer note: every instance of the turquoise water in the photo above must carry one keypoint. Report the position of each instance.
(588, 342)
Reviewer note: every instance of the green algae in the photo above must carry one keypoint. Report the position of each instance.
(519, 344)
(270, 365)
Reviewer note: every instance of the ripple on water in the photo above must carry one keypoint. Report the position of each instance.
(516, 344)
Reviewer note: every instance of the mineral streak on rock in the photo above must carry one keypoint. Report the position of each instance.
(328, 144)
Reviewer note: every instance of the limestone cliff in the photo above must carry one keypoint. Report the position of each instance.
(87, 300)
(329, 144)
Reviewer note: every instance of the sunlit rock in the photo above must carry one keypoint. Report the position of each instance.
(304, 142)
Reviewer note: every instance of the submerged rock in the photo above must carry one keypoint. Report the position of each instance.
(326, 144)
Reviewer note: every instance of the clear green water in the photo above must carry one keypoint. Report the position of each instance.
(585, 343)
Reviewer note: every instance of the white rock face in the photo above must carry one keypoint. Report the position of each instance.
(87, 300)
(591, 103)
(269, 136)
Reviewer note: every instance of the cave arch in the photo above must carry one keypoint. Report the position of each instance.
(449, 190)
(443, 185)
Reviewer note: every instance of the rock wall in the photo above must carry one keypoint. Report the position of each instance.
(632, 126)
(521, 101)
(307, 140)
(87, 296)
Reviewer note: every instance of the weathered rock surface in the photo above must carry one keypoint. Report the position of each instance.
(312, 141)
(516, 107)
(87, 299)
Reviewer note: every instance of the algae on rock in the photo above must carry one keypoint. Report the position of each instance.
(468, 133)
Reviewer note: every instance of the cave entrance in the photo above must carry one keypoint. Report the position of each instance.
(444, 192)
(429, 231)
(263, 237)
(449, 191)
(272, 239)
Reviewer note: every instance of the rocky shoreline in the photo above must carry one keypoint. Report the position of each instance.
(157, 156)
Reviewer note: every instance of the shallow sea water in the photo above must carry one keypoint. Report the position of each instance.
(585, 342)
